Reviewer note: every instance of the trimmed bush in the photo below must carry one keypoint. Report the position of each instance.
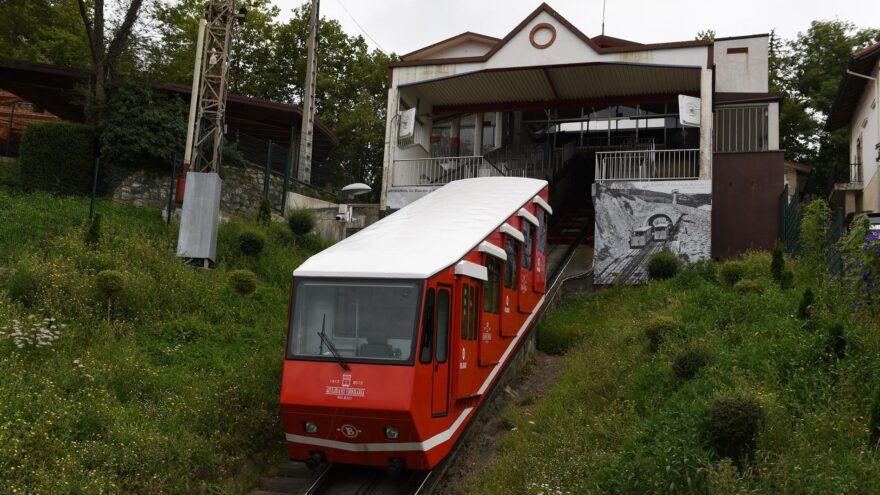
(836, 343)
(663, 265)
(748, 287)
(689, 362)
(251, 242)
(264, 214)
(777, 265)
(311, 243)
(301, 221)
(57, 157)
(731, 272)
(734, 421)
(787, 281)
(657, 330)
(110, 283)
(93, 234)
(243, 281)
(805, 307)
(21, 285)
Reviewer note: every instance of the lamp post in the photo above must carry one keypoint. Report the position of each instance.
(348, 193)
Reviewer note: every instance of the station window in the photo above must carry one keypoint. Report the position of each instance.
(443, 300)
(428, 332)
(511, 267)
(528, 244)
(492, 287)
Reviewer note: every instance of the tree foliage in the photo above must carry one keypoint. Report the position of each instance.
(807, 71)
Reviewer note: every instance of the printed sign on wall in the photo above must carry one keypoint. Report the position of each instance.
(637, 219)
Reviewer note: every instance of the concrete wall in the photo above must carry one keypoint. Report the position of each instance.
(745, 201)
(742, 65)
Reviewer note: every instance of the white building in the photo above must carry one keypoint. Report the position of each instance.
(547, 101)
(856, 107)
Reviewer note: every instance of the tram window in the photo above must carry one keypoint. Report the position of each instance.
(443, 300)
(542, 230)
(527, 245)
(472, 314)
(511, 266)
(464, 311)
(428, 333)
(492, 287)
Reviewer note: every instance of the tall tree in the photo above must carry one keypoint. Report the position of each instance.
(807, 71)
(47, 31)
(105, 53)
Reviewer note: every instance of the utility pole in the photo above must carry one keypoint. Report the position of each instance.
(197, 240)
(304, 169)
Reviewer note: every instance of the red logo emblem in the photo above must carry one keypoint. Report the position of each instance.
(349, 431)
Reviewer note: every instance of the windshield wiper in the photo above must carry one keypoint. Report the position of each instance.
(333, 350)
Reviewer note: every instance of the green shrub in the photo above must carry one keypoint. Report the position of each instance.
(251, 242)
(57, 157)
(805, 307)
(748, 286)
(657, 330)
(787, 281)
(301, 221)
(264, 213)
(731, 272)
(777, 265)
(22, 285)
(663, 265)
(734, 421)
(311, 243)
(10, 175)
(93, 233)
(243, 281)
(109, 283)
(814, 232)
(557, 339)
(688, 362)
(874, 421)
(835, 344)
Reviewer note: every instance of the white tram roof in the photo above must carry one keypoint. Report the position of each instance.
(428, 235)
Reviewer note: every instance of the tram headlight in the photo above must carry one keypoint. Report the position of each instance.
(391, 433)
(310, 427)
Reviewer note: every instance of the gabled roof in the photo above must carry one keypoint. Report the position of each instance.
(852, 87)
(428, 235)
(448, 43)
(626, 46)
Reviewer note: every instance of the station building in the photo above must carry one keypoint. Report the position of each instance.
(665, 145)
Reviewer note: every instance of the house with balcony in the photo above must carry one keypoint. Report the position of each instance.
(685, 124)
(857, 188)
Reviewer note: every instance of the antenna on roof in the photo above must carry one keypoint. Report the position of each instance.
(603, 17)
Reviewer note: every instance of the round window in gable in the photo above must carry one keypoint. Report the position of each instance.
(542, 35)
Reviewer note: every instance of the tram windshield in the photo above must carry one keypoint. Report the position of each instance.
(364, 320)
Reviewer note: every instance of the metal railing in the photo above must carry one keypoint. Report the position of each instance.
(437, 171)
(743, 128)
(681, 164)
(616, 143)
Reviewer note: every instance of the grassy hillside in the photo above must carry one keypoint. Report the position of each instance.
(624, 418)
(156, 378)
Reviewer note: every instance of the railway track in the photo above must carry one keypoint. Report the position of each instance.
(295, 478)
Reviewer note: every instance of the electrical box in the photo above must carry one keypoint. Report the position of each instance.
(200, 217)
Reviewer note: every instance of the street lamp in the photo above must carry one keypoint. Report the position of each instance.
(348, 193)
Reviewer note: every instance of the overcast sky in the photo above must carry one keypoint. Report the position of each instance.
(403, 26)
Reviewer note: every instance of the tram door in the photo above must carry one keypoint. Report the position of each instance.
(510, 288)
(465, 336)
(440, 396)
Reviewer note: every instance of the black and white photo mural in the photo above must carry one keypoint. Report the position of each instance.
(637, 219)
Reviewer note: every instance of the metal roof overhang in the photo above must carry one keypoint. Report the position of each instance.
(589, 84)
(851, 88)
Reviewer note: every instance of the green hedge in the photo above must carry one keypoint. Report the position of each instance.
(57, 157)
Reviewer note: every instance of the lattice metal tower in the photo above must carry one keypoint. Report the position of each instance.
(210, 126)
